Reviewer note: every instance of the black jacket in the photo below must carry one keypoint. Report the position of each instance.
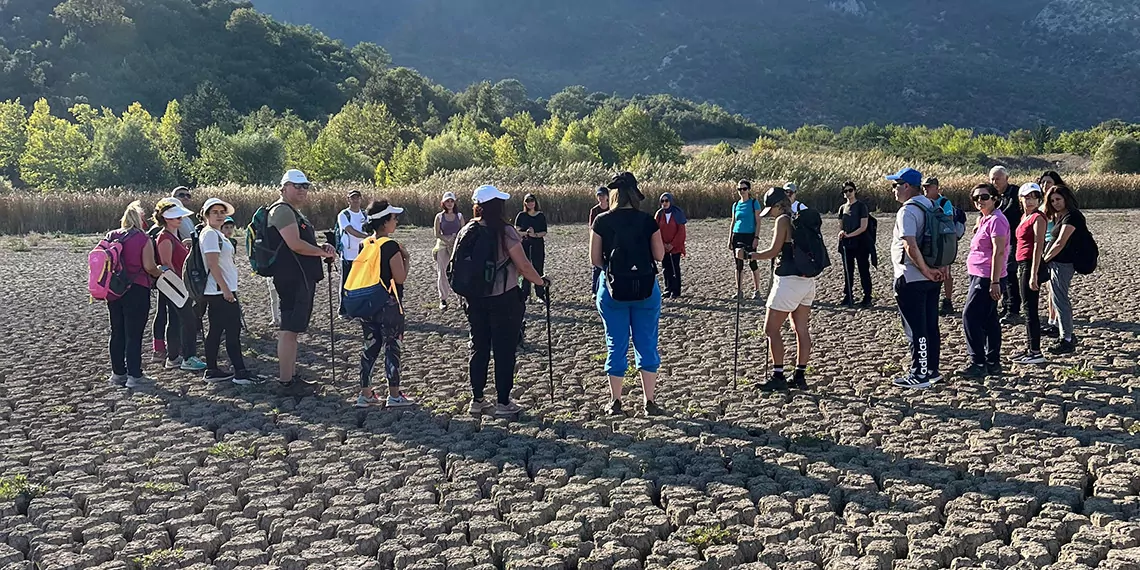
(1010, 205)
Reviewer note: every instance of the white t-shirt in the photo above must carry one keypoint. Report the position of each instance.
(212, 241)
(349, 243)
(798, 207)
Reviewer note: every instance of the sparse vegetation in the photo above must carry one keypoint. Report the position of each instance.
(706, 536)
(230, 451)
(162, 488)
(18, 485)
(1082, 372)
(156, 558)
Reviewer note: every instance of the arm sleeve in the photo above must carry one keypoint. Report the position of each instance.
(519, 221)
(209, 242)
(540, 223)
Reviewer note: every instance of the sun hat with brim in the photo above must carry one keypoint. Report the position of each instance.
(214, 202)
(1029, 188)
(447, 196)
(486, 193)
(791, 188)
(294, 176)
(352, 193)
(385, 212)
(772, 197)
(171, 208)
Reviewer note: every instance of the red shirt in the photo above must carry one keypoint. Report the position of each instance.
(178, 252)
(1025, 237)
(672, 233)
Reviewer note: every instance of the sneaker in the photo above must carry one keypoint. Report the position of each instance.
(847, 302)
(934, 378)
(947, 308)
(974, 372)
(866, 303)
(777, 383)
(366, 401)
(912, 381)
(1029, 358)
(1063, 347)
(1011, 319)
(799, 380)
(479, 408)
(507, 410)
(652, 409)
(1051, 331)
(193, 364)
(215, 376)
(443, 305)
(244, 378)
(756, 294)
(172, 364)
(158, 355)
(117, 379)
(400, 401)
(614, 409)
(137, 381)
(994, 370)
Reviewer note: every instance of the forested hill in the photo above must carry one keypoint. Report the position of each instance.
(981, 63)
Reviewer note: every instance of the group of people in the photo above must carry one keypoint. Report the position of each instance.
(1011, 249)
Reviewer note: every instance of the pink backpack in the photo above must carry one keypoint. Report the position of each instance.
(107, 278)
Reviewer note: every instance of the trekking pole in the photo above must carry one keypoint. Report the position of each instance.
(549, 347)
(846, 292)
(332, 323)
(736, 346)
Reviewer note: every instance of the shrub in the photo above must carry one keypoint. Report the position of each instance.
(1117, 155)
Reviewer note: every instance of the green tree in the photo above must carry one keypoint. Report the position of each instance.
(126, 152)
(13, 123)
(170, 137)
(205, 107)
(55, 152)
(332, 158)
(570, 103)
(1119, 155)
(368, 129)
(540, 149)
(506, 152)
(244, 158)
(407, 165)
(511, 97)
(448, 151)
(635, 132)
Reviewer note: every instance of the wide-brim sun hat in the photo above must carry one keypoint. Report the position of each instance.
(487, 192)
(214, 202)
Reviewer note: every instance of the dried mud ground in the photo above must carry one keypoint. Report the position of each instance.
(1039, 469)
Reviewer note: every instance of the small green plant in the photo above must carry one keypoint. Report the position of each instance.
(230, 451)
(631, 371)
(754, 334)
(62, 409)
(707, 536)
(152, 461)
(147, 399)
(275, 451)
(18, 245)
(1134, 428)
(163, 488)
(598, 358)
(554, 544)
(890, 368)
(17, 485)
(158, 557)
(1078, 373)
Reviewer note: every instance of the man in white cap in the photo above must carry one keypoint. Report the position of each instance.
(182, 194)
(297, 271)
(350, 221)
(790, 190)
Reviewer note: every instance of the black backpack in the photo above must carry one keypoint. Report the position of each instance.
(631, 271)
(194, 272)
(1087, 253)
(809, 253)
(263, 241)
(474, 262)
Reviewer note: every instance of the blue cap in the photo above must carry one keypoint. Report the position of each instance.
(908, 175)
(229, 220)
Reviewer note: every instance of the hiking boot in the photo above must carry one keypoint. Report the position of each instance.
(443, 305)
(173, 364)
(1050, 331)
(244, 378)
(479, 408)
(400, 401)
(947, 308)
(614, 408)
(994, 370)
(973, 372)
(1029, 358)
(117, 379)
(363, 401)
(138, 381)
(756, 294)
(866, 303)
(193, 364)
(776, 383)
(1063, 347)
(799, 380)
(652, 409)
(847, 302)
(934, 378)
(1011, 319)
(911, 381)
(508, 410)
(214, 376)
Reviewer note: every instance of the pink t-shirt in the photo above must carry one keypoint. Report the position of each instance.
(981, 257)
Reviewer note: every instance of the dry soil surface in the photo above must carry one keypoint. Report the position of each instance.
(1037, 469)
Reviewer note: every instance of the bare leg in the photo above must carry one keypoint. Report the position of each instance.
(615, 387)
(286, 355)
(800, 320)
(648, 384)
(773, 322)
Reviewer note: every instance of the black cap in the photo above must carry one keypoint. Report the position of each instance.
(602, 191)
(772, 197)
(930, 181)
(625, 181)
(352, 193)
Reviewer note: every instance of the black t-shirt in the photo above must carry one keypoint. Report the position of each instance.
(607, 223)
(1076, 219)
(389, 250)
(525, 221)
(595, 212)
(852, 214)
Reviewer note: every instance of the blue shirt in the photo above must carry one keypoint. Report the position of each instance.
(744, 216)
(947, 206)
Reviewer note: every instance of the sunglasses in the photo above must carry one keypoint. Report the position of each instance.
(982, 197)
(743, 189)
(848, 190)
(302, 186)
(665, 201)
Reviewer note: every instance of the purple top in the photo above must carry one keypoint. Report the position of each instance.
(981, 257)
(450, 228)
(133, 255)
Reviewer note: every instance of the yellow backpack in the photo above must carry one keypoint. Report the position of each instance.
(365, 294)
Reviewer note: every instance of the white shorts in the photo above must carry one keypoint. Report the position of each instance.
(789, 293)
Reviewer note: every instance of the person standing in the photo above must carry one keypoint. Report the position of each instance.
(350, 221)
(603, 205)
(627, 243)
(128, 313)
(745, 222)
(986, 268)
(1068, 225)
(1047, 180)
(184, 233)
(221, 297)
(854, 245)
(916, 284)
(671, 221)
(496, 319)
(1030, 236)
(1010, 205)
(296, 270)
(182, 324)
(933, 191)
(531, 224)
(792, 295)
(447, 224)
(790, 189)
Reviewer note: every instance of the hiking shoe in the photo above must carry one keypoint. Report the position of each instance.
(158, 355)
(799, 380)
(1011, 319)
(117, 379)
(1063, 347)
(366, 401)
(934, 378)
(776, 383)
(1051, 331)
(947, 308)
(847, 302)
(994, 370)
(443, 305)
(193, 364)
(400, 401)
(137, 381)
(652, 409)
(866, 303)
(508, 410)
(1029, 358)
(912, 381)
(614, 409)
(172, 364)
(974, 372)
(756, 294)
(244, 378)
(484, 407)
(215, 376)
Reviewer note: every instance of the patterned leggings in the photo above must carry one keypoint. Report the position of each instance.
(385, 331)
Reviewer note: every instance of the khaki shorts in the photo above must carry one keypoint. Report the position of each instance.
(789, 293)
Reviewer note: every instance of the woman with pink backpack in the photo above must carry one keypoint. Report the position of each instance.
(130, 308)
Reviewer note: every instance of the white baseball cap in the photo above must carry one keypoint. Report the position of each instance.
(1028, 188)
(214, 202)
(389, 210)
(791, 187)
(486, 193)
(447, 196)
(295, 176)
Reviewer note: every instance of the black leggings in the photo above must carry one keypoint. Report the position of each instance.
(744, 241)
(535, 250)
(856, 255)
(128, 322)
(495, 324)
(672, 266)
(980, 322)
(384, 332)
(181, 328)
(225, 317)
(1029, 301)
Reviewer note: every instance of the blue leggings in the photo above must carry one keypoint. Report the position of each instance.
(624, 319)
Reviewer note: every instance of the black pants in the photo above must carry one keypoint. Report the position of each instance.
(535, 250)
(918, 304)
(384, 332)
(225, 318)
(980, 321)
(1011, 295)
(128, 322)
(181, 328)
(744, 241)
(860, 256)
(161, 323)
(495, 324)
(1030, 300)
(672, 267)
